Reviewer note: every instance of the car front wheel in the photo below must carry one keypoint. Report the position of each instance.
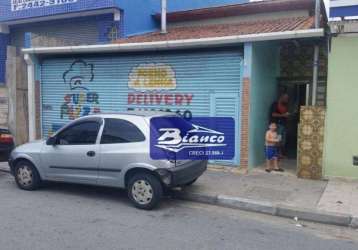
(26, 176)
(145, 191)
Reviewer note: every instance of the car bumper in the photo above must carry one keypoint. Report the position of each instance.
(6, 148)
(186, 173)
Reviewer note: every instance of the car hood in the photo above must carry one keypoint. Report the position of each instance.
(34, 146)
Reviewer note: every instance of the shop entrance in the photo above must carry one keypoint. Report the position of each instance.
(298, 93)
(295, 79)
(284, 68)
(299, 96)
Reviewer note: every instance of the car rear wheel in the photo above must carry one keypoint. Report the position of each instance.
(26, 176)
(145, 191)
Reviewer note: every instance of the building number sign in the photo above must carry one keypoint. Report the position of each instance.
(17, 5)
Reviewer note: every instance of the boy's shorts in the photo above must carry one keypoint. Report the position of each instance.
(271, 152)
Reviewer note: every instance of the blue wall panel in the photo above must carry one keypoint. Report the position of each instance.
(177, 5)
(74, 31)
(344, 11)
(184, 82)
(265, 68)
(4, 41)
(137, 13)
(6, 13)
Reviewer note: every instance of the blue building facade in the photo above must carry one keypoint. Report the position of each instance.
(343, 8)
(4, 41)
(54, 23)
(137, 13)
(81, 22)
(226, 81)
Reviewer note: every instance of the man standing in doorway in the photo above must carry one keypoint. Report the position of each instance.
(279, 114)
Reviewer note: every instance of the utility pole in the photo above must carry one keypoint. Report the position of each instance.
(316, 54)
(164, 17)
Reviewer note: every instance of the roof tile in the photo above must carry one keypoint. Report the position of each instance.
(222, 30)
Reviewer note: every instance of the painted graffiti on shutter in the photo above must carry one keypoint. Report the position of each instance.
(154, 84)
(78, 100)
(178, 82)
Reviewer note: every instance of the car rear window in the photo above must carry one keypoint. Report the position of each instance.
(120, 131)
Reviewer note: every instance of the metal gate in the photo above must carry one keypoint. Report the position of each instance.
(182, 82)
(227, 105)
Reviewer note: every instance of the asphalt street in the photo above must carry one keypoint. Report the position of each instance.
(77, 217)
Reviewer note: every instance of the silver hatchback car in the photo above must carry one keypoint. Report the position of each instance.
(107, 150)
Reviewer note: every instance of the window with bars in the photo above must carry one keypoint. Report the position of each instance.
(113, 33)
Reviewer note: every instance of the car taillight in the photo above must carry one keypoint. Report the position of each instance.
(6, 139)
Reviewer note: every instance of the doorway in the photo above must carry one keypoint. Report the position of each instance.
(298, 94)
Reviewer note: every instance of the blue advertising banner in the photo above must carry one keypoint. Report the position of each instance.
(201, 138)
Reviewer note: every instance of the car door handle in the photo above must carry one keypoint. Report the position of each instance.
(91, 153)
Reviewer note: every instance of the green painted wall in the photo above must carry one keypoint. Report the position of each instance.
(265, 63)
(341, 134)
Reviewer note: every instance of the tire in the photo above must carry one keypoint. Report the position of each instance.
(145, 191)
(26, 176)
(190, 182)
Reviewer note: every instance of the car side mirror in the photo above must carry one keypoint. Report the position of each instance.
(51, 141)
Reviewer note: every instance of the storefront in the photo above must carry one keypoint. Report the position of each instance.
(35, 23)
(190, 83)
(209, 66)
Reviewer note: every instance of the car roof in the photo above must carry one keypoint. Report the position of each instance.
(120, 115)
(144, 114)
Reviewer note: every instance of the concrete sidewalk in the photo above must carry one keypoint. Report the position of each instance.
(281, 194)
(4, 167)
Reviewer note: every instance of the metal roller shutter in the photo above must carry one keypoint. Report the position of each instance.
(189, 82)
(82, 32)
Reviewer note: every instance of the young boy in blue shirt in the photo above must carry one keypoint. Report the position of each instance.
(271, 149)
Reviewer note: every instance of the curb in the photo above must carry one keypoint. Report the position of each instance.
(314, 215)
(201, 198)
(269, 208)
(246, 204)
(5, 170)
(354, 223)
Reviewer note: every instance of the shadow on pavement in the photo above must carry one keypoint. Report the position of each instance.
(105, 194)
